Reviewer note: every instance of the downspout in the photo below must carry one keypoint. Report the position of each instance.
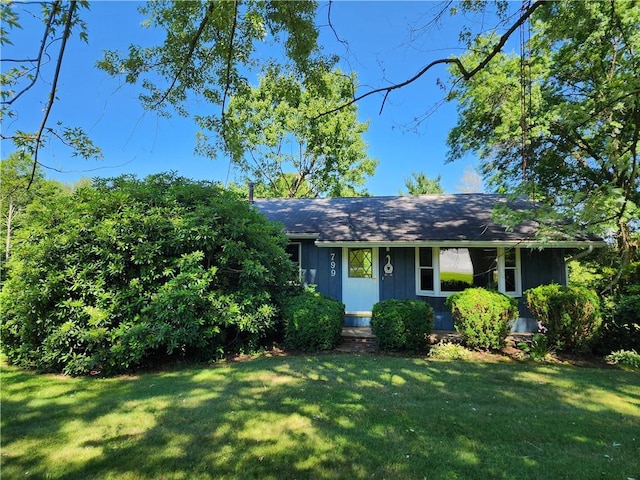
(577, 256)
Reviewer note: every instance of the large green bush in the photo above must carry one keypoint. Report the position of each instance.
(312, 322)
(622, 331)
(128, 270)
(570, 315)
(402, 325)
(482, 317)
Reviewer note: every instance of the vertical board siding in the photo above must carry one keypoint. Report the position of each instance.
(542, 267)
(327, 279)
(539, 267)
(401, 283)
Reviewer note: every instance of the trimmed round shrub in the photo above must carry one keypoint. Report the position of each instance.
(622, 332)
(570, 315)
(312, 322)
(402, 325)
(482, 317)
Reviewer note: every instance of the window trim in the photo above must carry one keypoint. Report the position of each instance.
(435, 266)
(299, 262)
(502, 278)
(501, 266)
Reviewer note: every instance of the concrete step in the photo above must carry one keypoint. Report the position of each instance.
(357, 340)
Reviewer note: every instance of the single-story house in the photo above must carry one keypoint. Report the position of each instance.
(365, 249)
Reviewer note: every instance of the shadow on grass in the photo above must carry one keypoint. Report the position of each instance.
(326, 417)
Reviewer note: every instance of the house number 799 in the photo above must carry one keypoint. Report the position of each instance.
(333, 264)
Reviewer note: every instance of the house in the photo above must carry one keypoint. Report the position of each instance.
(365, 249)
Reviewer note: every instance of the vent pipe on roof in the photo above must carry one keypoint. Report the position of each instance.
(251, 185)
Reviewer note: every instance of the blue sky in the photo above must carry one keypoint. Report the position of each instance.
(383, 48)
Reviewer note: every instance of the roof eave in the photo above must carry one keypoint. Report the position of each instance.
(466, 243)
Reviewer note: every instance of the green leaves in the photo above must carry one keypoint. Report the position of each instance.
(209, 46)
(570, 315)
(60, 21)
(312, 322)
(579, 152)
(111, 276)
(482, 317)
(402, 325)
(278, 140)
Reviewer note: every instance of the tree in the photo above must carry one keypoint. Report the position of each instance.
(420, 184)
(16, 172)
(569, 138)
(275, 139)
(209, 49)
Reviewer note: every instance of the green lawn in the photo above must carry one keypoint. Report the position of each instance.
(326, 417)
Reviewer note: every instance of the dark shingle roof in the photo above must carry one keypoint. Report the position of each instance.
(412, 218)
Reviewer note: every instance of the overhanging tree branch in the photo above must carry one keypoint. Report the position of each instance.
(43, 43)
(54, 85)
(230, 56)
(466, 74)
(192, 46)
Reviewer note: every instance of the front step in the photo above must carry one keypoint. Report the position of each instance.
(357, 340)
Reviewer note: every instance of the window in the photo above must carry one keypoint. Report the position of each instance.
(510, 268)
(426, 272)
(293, 249)
(442, 271)
(509, 281)
(462, 268)
(360, 263)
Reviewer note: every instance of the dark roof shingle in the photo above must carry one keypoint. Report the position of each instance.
(411, 218)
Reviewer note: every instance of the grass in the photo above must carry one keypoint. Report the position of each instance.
(326, 417)
(456, 276)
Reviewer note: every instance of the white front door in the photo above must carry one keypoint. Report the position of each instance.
(360, 290)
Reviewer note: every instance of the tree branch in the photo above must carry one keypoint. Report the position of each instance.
(192, 47)
(466, 74)
(230, 56)
(335, 34)
(54, 86)
(38, 60)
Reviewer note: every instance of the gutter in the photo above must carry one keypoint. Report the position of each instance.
(462, 244)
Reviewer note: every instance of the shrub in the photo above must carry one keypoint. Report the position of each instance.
(482, 317)
(312, 322)
(622, 331)
(126, 271)
(571, 315)
(402, 325)
(449, 351)
(629, 358)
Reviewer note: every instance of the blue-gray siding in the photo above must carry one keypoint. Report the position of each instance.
(401, 283)
(322, 260)
(538, 267)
